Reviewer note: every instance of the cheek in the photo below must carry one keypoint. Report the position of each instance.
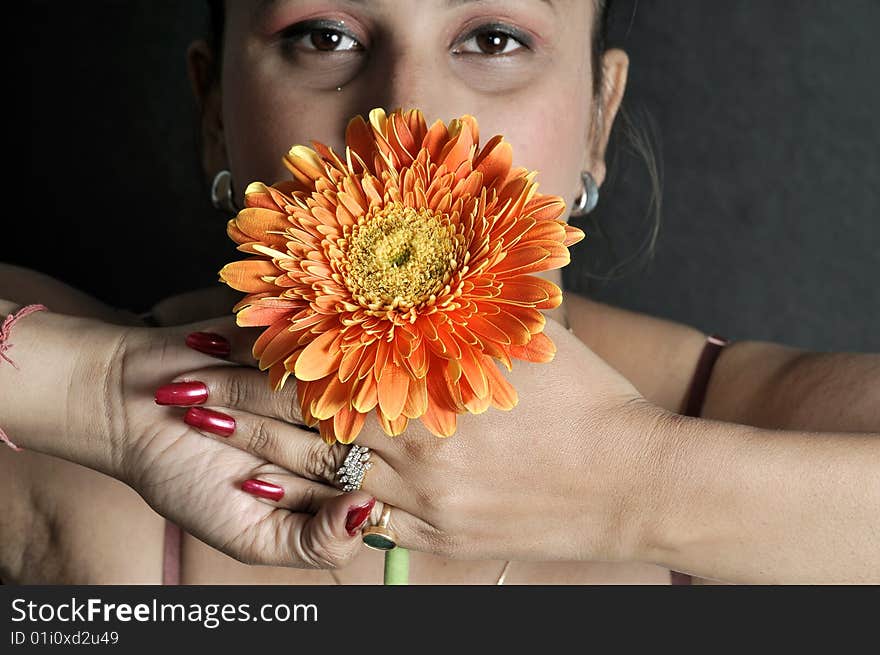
(549, 135)
(264, 116)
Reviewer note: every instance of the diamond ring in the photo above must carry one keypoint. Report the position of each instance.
(356, 464)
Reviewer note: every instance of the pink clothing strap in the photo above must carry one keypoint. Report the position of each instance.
(6, 346)
(171, 554)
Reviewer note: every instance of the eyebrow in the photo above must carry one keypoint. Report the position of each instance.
(455, 3)
(267, 5)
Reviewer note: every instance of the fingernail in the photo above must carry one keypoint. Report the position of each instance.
(209, 343)
(262, 489)
(357, 516)
(210, 421)
(182, 393)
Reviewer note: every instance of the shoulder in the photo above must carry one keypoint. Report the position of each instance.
(657, 355)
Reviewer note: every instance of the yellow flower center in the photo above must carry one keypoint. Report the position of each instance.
(398, 256)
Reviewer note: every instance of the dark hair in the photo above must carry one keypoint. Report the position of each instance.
(639, 139)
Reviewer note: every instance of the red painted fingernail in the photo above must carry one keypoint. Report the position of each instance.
(357, 516)
(182, 393)
(210, 421)
(262, 489)
(209, 343)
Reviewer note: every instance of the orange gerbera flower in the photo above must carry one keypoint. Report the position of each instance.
(393, 278)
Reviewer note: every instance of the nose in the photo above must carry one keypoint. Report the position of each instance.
(407, 77)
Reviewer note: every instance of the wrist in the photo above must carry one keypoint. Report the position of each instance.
(656, 435)
(618, 477)
(95, 418)
(50, 403)
(681, 463)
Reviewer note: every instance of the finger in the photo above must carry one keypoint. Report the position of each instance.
(329, 539)
(219, 337)
(296, 450)
(278, 488)
(414, 533)
(248, 390)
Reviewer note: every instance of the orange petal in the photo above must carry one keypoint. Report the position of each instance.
(417, 398)
(237, 235)
(302, 389)
(305, 164)
(417, 363)
(257, 195)
(544, 208)
(320, 357)
(383, 350)
(528, 316)
(365, 395)
(545, 231)
(278, 375)
(256, 221)
(473, 403)
(435, 139)
(526, 259)
(472, 369)
(392, 427)
(504, 396)
(495, 160)
(247, 275)
(531, 290)
(488, 330)
(347, 424)
(540, 349)
(393, 387)
(440, 422)
(334, 397)
(572, 235)
(266, 338)
(450, 345)
(514, 328)
(327, 430)
(282, 346)
(266, 313)
(359, 137)
(250, 299)
(457, 151)
(351, 360)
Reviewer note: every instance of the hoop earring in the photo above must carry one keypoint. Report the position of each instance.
(221, 192)
(589, 197)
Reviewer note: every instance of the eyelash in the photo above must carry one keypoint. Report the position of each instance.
(298, 32)
(494, 28)
(295, 33)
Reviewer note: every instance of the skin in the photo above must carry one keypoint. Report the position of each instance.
(609, 398)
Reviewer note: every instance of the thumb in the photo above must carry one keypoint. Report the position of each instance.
(332, 536)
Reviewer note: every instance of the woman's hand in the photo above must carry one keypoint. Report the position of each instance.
(85, 391)
(563, 476)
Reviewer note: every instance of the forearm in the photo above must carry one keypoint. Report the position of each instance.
(773, 386)
(51, 397)
(749, 505)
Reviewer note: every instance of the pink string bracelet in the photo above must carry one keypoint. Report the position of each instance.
(5, 346)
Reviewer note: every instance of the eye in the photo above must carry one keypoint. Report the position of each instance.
(320, 36)
(492, 40)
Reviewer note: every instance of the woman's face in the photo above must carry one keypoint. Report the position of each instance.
(294, 71)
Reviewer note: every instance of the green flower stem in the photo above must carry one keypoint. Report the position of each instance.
(397, 566)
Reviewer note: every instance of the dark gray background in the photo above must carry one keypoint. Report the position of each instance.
(768, 136)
